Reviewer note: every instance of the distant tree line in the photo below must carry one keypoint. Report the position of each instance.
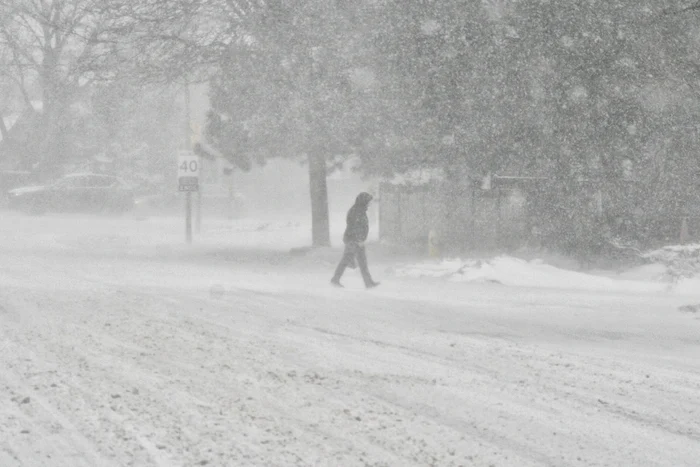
(597, 96)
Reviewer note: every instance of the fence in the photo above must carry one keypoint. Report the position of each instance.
(467, 217)
(461, 218)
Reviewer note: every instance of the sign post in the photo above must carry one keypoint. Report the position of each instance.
(188, 181)
(188, 217)
(195, 136)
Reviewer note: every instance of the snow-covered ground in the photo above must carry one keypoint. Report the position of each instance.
(123, 346)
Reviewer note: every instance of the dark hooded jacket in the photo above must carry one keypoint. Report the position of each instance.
(357, 222)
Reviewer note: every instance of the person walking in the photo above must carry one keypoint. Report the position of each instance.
(354, 238)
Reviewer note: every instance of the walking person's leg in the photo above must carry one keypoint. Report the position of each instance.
(364, 268)
(348, 257)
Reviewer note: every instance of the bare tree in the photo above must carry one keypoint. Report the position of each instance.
(51, 50)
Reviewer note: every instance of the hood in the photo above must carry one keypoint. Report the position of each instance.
(27, 189)
(363, 199)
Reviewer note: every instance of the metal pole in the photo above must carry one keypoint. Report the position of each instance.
(188, 129)
(188, 146)
(188, 217)
(198, 213)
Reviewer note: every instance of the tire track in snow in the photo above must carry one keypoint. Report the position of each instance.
(555, 399)
(83, 447)
(554, 393)
(263, 391)
(377, 389)
(61, 338)
(76, 387)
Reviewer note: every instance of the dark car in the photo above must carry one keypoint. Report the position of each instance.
(10, 179)
(74, 193)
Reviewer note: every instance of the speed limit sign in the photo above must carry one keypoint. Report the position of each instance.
(188, 171)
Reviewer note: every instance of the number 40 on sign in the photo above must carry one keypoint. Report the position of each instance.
(188, 171)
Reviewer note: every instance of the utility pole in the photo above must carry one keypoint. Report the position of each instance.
(188, 147)
(197, 133)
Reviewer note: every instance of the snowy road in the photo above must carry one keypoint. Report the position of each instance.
(122, 347)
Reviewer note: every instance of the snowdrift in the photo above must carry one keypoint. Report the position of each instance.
(510, 271)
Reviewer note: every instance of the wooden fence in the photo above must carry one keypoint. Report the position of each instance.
(460, 217)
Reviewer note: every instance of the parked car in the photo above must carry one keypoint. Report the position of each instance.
(10, 179)
(74, 193)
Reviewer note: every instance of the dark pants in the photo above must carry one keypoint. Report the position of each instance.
(353, 251)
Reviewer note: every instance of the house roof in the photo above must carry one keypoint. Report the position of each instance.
(418, 177)
(10, 121)
(22, 144)
(21, 123)
(208, 151)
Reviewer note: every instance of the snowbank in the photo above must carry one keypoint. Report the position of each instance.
(511, 271)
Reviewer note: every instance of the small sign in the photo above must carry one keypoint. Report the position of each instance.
(188, 184)
(187, 171)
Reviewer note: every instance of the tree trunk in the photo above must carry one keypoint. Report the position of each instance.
(5, 140)
(48, 158)
(3, 129)
(320, 226)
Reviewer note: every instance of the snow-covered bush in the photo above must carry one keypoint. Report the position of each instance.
(681, 261)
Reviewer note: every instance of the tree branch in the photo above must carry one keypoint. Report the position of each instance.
(673, 11)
